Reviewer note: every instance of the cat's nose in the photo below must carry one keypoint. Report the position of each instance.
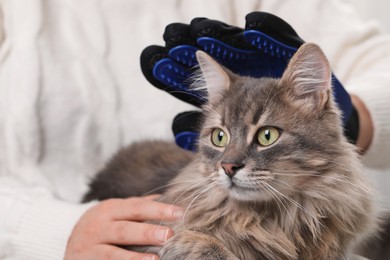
(231, 168)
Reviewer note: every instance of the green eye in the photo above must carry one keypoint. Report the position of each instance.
(219, 137)
(268, 135)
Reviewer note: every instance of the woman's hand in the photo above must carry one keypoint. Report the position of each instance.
(120, 222)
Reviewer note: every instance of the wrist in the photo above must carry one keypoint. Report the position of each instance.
(366, 126)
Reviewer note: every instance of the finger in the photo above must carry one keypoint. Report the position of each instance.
(226, 44)
(173, 77)
(152, 197)
(149, 57)
(139, 209)
(136, 233)
(274, 27)
(176, 34)
(104, 252)
(228, 34)
(168, 74)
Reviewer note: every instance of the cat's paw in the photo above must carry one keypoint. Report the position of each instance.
(190, 244)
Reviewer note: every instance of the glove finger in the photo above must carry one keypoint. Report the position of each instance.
(228, 34)
(226, 44)
(274, 27)
(242, 62)
(215, 37)
(176, 71)
(271, 35)
(186, 127)
(149, 57)
(176, 34)
(177, 79)
(181, 45)
(223, 42)
(276, 38)
(168, 75)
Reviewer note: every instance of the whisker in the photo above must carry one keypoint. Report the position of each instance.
(170, 184)
(190, 188)
(310, 174)
(210, 108)
(186, 188)
(285, 183)
(191, 94)
(295, 203)
(207, 188)
(269, 95)
(272, 193)
(192, 184)
(190, 112)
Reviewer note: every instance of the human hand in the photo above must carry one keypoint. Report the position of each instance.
(120, 222)
(262, 49)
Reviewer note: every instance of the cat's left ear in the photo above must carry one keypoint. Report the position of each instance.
(215, 79)
(310, 77)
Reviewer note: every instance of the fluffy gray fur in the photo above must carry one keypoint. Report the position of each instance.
(302, 197)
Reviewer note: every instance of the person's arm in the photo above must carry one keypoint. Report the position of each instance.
(35, 225)
(372, 88)
(366, 126)
(361, 57)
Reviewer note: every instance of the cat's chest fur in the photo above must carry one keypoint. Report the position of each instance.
(274, 229)
(245, 231)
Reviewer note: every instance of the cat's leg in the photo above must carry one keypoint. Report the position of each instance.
(190, 244)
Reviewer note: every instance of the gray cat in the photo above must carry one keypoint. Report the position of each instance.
(274, 177)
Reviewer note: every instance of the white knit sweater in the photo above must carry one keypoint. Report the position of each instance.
(72, 93)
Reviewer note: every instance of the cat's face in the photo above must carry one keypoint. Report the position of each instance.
(266, 138)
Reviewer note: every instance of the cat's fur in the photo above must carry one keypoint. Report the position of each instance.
(303, 197)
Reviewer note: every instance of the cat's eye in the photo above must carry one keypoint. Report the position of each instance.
(219, 137)
(268, 135)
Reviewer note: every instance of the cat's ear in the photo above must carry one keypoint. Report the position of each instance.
(214, 78)
(310, 77)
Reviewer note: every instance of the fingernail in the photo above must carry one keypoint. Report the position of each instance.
(162, 234)
(150, 257)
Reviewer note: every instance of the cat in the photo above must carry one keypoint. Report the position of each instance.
(273, 178)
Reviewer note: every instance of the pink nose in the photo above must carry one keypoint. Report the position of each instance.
(231, 168)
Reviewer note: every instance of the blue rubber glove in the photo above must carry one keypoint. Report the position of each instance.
(263, 49)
